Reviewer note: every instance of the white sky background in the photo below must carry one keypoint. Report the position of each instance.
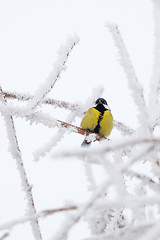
(30, 35)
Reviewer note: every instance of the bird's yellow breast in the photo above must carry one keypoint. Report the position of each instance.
(90, 121)
(106, 124)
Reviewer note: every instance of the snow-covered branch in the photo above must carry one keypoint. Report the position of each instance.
(73, 219)
(49, 101)
(134, 85)
(39, 117)
(54, 75)
(42, 151)
(4, 236)
(16, 154)
(111, 146)
(41, 214)
(155, 78)
(126, 130)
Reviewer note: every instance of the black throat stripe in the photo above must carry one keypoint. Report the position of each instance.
(96, 130)
(101, 109)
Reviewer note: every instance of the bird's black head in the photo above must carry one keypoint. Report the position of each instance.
(101, 101)
(101, 104)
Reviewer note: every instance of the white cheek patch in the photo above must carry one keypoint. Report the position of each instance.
(106, 106)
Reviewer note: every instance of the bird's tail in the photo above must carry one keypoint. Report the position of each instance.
(86, 143)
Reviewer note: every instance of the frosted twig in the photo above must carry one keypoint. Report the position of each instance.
(70, 106)
(123, 128)
(118, 218)
(95, 197)
(151, 233)
(39, 117)
(130, 232)
(72, 220)
(96, 93)
(41, 214)
(41, 152)
(123, 201)
(4, 236)
(155, 78)
(135, 87)
(110, 146)
(16, 154)
(54, 75)
(145, 179)
(89, 176)
(16, 111)
(48, 101)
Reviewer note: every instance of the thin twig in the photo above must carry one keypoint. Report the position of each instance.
(124, 128)
(145, 179)
(136, 88)
(4, 236)
(49, 101)
(54, 75)
(41, 214)
(109, 147)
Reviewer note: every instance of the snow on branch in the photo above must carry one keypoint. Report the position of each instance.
(49, 101)
(16, 154)
(155, 78)
(126, 130)
(42, 151)
(4, 236)
(73, 219)
(41, 214)
(47, 120)
(152, 233)
(97, 198)
(145, 179)
(130, 232)
(134, 85)
(54, 75)
(110, 146)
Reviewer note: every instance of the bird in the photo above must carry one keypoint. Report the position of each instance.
(98, 119)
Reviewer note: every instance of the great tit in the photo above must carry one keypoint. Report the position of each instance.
(98, 119)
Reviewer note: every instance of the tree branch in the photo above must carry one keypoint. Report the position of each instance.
(54, 75)
(41, 214)
(49, 101)
(16, 154)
